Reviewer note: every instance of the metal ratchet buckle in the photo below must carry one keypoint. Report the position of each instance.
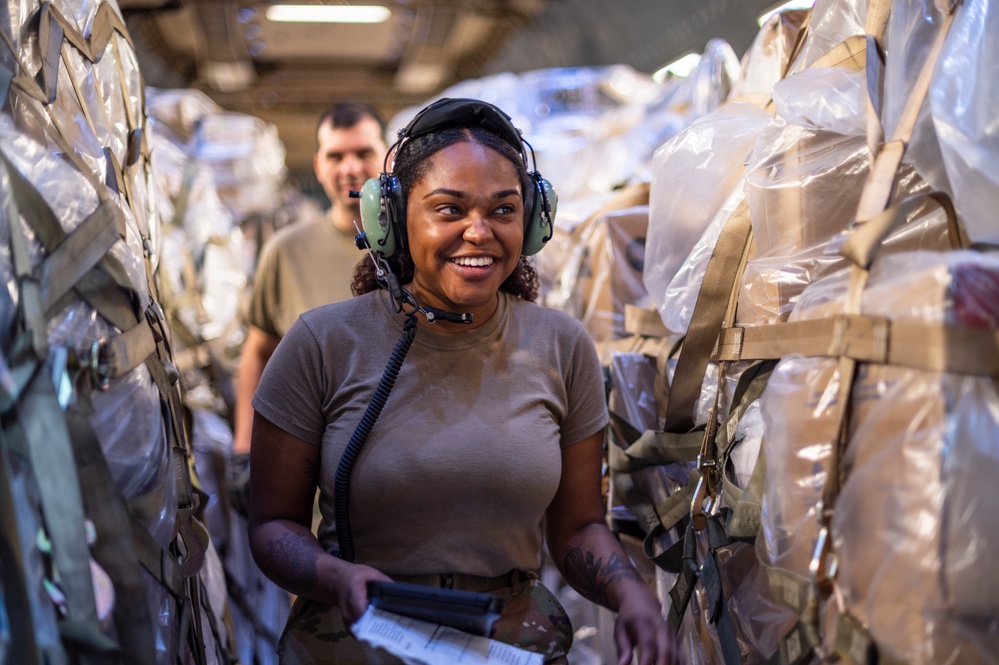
(99, 370)
(823, 566)
(697, 508)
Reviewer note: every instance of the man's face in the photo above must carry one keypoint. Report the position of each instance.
(346, 158)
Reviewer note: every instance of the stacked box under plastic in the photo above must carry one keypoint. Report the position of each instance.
(875, 438)
(104, 558)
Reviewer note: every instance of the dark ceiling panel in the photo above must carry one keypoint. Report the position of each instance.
(645, 34)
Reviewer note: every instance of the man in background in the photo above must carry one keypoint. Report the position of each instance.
(310, 263)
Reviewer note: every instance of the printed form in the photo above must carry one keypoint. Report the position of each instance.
(423, 643)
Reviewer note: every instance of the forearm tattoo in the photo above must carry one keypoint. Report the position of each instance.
(592, 578)
(295, 554)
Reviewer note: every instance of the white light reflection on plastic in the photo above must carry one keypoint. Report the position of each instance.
(681, 67)
(791, 4)
(328, 13)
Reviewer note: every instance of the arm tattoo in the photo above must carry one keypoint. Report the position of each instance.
(592, 578)
(296, 555)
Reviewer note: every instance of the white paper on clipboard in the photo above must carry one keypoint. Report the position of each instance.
(423, 643)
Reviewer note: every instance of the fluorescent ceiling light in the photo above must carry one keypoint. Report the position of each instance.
(791, 4)
(328, 13)
(681, 67)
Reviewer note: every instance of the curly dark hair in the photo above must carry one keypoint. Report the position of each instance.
(412, 165)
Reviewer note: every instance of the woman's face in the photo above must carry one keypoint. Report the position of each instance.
(465, 221)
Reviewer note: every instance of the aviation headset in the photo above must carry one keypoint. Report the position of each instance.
(383, 211)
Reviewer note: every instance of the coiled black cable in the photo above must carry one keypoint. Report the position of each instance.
(341, 488)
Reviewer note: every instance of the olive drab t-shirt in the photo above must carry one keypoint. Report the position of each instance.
(304, 265)
(466, 455)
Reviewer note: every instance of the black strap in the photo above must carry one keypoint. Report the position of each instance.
(683, 588)
(711, 578)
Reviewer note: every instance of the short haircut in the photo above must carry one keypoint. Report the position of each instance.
(345, 115)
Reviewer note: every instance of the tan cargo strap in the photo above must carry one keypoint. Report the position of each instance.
(873, 210)
(880, 184)
(77, 262)
(14, 577)
(44, 439)
(863, 338)
(745, 519)
(708, 463)
(851, 53)
(46, 442)
(875, 92)
(851, 641)
(670, 512)
(643, 450)
(792, 591)
(876, 23)
(867, 237)
(115, 549)
(643, 321)
(721, 275)
(655, 447)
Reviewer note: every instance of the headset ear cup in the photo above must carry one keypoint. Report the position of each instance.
(542, 217)
(377, 215)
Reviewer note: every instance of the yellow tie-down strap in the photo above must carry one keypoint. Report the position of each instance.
(864, 338)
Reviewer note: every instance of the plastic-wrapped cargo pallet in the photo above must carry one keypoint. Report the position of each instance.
(103, 558)
(205, 261)
(836, 322)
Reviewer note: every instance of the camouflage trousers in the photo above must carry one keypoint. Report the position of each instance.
(532, 619)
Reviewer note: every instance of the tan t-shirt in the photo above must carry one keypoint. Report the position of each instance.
(466, 455)
(304, 265)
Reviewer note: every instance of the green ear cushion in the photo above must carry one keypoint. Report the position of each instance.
(375, 220)
(539, 228)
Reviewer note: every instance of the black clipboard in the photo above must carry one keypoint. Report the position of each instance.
(468, 611)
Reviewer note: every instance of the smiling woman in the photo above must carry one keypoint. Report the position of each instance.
(489, 446)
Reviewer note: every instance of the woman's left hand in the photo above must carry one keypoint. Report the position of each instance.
(640, 626)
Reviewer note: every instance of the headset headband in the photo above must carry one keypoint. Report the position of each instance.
(461, 112)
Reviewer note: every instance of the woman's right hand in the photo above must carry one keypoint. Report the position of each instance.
(352, 589)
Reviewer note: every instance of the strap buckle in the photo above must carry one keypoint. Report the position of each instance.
(99, 369)
(703, 492)
(824, 565)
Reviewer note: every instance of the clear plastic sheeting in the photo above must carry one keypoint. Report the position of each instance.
(680, 295)
(914, 534)
(74, 129)
(258, 608)
(246, 160)
(707, 86)
(768, 56)
(175, 114)
(963, 97)
(633, 395)
(604, 272)
(693, 174)
(832, 22)
(804, 183)
(799, 410)
(757, 621)
(207, 257)
(594, 130)
(126, 415)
